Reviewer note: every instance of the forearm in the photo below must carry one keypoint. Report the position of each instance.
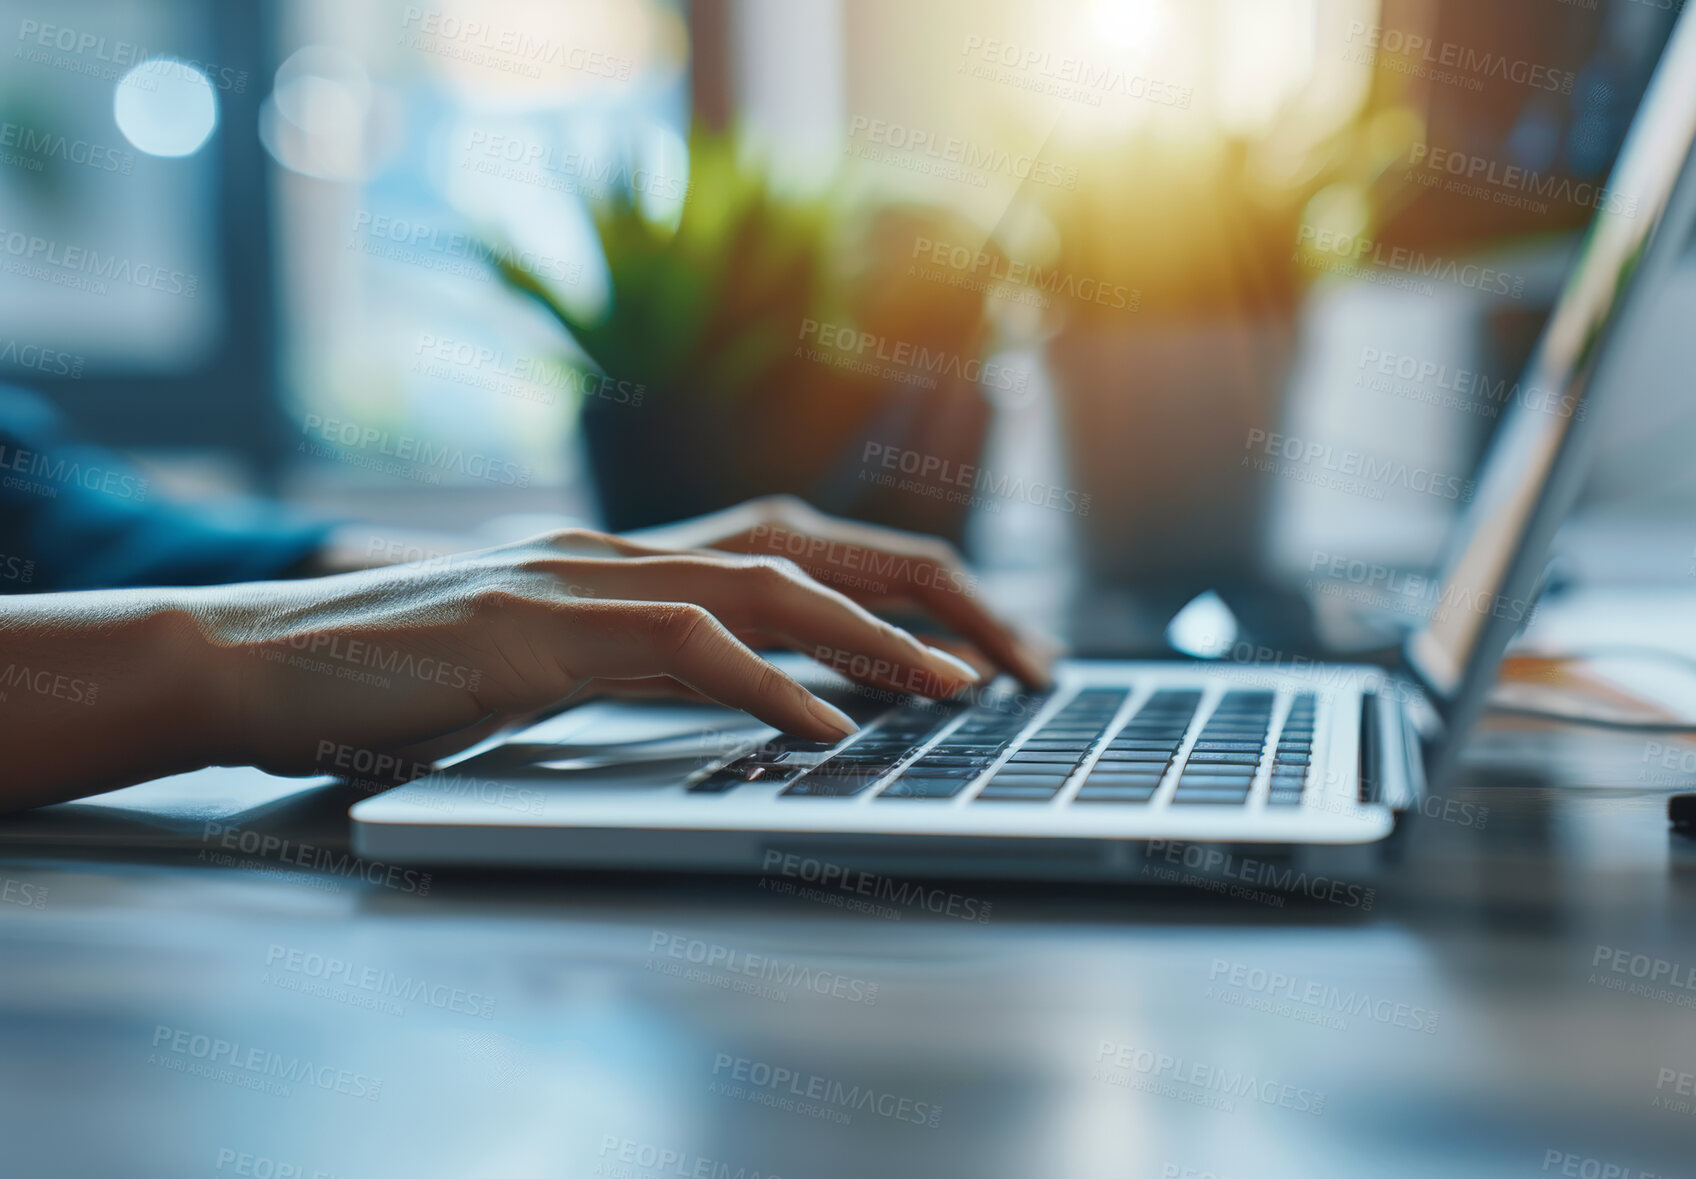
(100, 690)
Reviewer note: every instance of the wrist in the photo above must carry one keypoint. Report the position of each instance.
(119, 687)
(200, 635)
(189, 686)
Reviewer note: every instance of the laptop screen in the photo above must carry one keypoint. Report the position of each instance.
(1497, 549)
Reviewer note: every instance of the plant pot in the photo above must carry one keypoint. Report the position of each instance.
(653, 464)
(915, 463)
(1157, 420)
(672, 458)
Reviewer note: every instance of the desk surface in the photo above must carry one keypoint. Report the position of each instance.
(187, 1013)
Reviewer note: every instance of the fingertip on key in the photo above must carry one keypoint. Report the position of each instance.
(951, 667)
(831, 717)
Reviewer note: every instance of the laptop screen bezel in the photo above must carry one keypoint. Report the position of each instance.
(1459, 703)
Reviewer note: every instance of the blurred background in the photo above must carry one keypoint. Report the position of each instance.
(1059, 280)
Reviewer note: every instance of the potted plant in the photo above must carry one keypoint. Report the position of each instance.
(735, 344)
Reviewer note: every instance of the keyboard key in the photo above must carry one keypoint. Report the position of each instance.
(1239, 791)
(1221, 769)
(1092, 793)
(1013, 777)
(823, 785)
(1211, 797)
(1213, 781)
(741, 772)
(993, 793)
(908, 786)
(921, 769)
(1042, 757)
(1225, 759)
(1139, 770)
(1124, 781)
(834, 769)
(1244, 770)
(795, 745)
(718, 782)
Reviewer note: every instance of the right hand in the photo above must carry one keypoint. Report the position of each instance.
(420, 661)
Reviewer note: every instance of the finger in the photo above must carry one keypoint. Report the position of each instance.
(762, 599)
(882, 562)
(964, 651)
(972, 620)
(638, 640)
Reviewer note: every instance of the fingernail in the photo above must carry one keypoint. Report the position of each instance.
(952, 667)
(831, 716)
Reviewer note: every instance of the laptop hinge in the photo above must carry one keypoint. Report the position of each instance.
(1371, 768)
(1391, 770)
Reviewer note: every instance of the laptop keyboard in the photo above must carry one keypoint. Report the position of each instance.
(1042, 765)
(1130, 763)
(1134, 762)
(1222, 765)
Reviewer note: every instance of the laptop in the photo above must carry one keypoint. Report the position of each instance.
(1076, 782)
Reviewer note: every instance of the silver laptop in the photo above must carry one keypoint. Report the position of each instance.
(1075, 782)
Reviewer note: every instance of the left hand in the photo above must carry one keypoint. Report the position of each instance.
(880, 568)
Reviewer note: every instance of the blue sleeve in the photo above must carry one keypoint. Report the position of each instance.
(76, 516)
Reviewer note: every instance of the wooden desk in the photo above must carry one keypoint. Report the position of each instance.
(172, 1013)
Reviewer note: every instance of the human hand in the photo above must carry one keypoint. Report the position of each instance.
(880, 568)
(422, 660)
